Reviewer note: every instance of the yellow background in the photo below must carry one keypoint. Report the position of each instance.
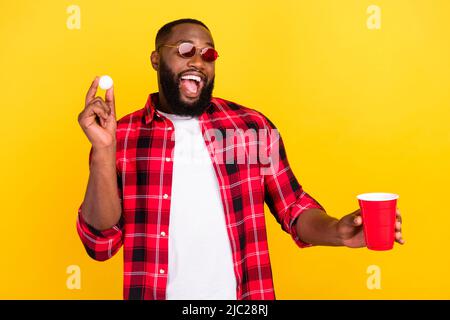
(360, 110)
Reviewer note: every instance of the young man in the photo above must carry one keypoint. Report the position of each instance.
(182, 183)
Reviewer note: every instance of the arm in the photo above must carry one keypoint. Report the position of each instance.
(101, 207)
(301, 215)
(100, 222)
(317, 228)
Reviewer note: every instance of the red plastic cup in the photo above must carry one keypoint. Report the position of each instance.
(378, 212)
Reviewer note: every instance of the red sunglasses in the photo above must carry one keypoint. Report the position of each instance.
(188, 50)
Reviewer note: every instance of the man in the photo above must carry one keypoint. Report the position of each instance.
(162, 184)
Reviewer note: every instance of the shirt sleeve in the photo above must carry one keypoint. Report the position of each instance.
(284, 196)
(101, 245)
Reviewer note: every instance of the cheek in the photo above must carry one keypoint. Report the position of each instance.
(211, 72)
(176, 65)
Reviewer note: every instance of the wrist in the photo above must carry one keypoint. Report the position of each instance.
(103, 155)
(337, 239)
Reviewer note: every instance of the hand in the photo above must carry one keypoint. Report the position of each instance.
(350, 230)
(98, 119)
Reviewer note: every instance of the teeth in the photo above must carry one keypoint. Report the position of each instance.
(191, 77)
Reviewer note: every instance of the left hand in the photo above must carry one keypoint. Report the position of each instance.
(350, 230)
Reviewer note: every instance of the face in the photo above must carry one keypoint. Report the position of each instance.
(185, 96)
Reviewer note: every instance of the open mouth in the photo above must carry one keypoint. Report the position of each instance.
(191, 85)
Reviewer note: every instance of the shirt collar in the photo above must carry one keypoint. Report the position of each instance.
(152, 102)
(150, 110)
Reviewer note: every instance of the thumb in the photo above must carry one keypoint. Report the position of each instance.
(353, 219)
(110, 100)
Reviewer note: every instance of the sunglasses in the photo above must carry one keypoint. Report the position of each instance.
(188, 50)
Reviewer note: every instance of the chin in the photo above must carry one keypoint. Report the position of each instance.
(189, 101)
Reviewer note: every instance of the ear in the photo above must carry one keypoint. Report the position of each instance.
(154, 58)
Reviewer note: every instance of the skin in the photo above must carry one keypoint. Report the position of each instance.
(101, 206)
(316, 227)
(201, 38)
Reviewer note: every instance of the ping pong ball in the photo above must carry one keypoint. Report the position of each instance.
(105, 82)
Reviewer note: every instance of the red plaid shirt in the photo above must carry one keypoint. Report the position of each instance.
(145, 145)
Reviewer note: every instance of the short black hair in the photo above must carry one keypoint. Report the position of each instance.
(165, 30)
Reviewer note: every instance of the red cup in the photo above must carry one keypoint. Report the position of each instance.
(378, 212)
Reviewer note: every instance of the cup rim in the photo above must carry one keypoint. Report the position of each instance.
(377, 196)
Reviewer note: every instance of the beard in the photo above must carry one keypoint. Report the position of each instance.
(170, 88)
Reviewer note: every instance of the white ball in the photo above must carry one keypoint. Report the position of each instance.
(105, 82)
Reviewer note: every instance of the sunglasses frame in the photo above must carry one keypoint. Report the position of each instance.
(202, 50)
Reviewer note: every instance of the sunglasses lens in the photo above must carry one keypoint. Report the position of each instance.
(209, 54)
(186, 50)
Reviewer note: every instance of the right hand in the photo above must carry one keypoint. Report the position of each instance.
(98, 119)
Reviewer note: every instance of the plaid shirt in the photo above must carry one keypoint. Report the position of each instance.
(144, 159)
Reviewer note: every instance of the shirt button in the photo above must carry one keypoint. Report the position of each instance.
(163, 234)
(167, 159)
(161, 271)
(165, 196)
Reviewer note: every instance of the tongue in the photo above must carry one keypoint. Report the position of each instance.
(190, 86)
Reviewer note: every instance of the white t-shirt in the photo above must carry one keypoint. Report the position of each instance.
(200, 257)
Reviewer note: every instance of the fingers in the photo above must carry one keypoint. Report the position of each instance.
(92, 90)
(398, 219)
(398, 215)
(94, 114)
(109, 96)
(398, 231)
(99, 102)
(90, 111)
(96, 108)
(110, 100)
(398, 228)
(100, 112)
(355, 219)
(398, 238)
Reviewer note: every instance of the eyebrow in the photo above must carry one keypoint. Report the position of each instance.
(190, 41)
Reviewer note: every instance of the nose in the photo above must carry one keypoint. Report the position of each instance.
(197, 61)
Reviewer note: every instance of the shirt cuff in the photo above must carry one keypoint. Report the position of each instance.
(94, 233)
(296, 212)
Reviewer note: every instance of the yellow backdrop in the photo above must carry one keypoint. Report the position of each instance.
(358, 89)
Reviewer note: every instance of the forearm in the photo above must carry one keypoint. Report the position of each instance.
(315, 227)
(101, 207)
